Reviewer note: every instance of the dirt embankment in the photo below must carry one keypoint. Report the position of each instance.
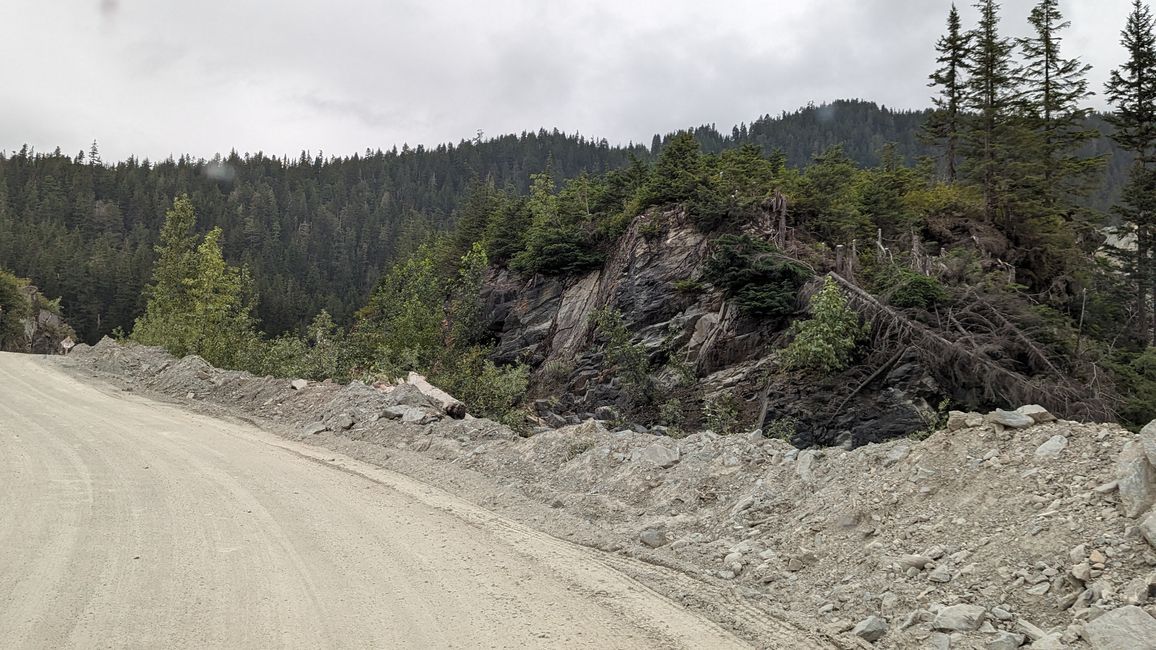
(1002, 530)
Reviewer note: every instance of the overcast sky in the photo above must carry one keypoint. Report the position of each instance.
(157, 77)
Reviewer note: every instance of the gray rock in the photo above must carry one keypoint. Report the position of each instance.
(299, 384)
(1135, 479)
(870, 629)
(941, 574)
(653, 537)
(606, 413)
(1125, 628)
(1052, 448)
(959, 618)
(555, 420)
(896, 454)
(1049, 642)
(1147, 528)
(410, 414)
(956, 420)
(408, 395)
(658, 455)
(343, 421)
(1148, 441)
(1005, 641)
(914, 561)
(803, 466)
(314, 428)
(1036, 412)
(1010, 419)
(939, 641)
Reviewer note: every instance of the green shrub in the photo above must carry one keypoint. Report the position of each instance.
(825, 341)
(721, 414)
(781, 429)
(631, 363)
(905, 289)
(753, 273)
(486, 389)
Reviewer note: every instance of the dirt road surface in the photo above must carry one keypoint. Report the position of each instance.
(126, 522)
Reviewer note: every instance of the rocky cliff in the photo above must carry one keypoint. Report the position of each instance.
(700, 347)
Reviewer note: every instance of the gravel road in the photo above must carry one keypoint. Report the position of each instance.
(126, 522)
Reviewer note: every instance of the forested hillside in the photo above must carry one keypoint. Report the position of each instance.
(316, 232)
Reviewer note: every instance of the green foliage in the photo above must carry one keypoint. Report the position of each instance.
(488, 390)
(828, 198)
(14, 308)
(670, 413)
(631, 363)
(721, 414)
(825, 342)
(753, 273)
(1135, 375)
(781, 429)
(197, 304)
(562, 238)
(904, 288)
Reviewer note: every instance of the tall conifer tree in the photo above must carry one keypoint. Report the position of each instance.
(987, 143)
(1131, 89)
(944, 125)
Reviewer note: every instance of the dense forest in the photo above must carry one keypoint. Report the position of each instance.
(317, 232)
(1003, 196)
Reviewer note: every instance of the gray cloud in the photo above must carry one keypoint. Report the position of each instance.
(159, 77)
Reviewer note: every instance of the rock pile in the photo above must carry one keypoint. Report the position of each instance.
(999, 531)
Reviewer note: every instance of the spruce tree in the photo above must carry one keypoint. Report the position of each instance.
(1053, 89)
(988, 139)
(944, 124)
(1131, 89)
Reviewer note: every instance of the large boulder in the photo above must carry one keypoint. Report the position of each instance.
(1136, 479)
(1125, 628)
(1148, 441)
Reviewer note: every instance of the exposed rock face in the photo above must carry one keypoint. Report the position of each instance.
(545, 322)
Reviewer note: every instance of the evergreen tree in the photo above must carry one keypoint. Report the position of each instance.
(988, 140)
(1053, 89)
(197, 304)
(1131, 89)
(944, 124)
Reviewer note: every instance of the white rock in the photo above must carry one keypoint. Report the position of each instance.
(1125, 628)
(658, 455)
(1036, 412)
(299, 384)
(1010, 419)
(1052, 448)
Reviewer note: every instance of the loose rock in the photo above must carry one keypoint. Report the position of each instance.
(959, 618)
(870, 629)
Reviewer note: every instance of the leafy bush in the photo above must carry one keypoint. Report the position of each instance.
(753, 273)
(487, 389)
(14, 308)
(721, 414)
(781, 429)
(825, 341)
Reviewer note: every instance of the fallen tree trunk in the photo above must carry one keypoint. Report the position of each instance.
(447, 402)
(956, 365)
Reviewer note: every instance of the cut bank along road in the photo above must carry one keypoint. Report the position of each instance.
(126, 522)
